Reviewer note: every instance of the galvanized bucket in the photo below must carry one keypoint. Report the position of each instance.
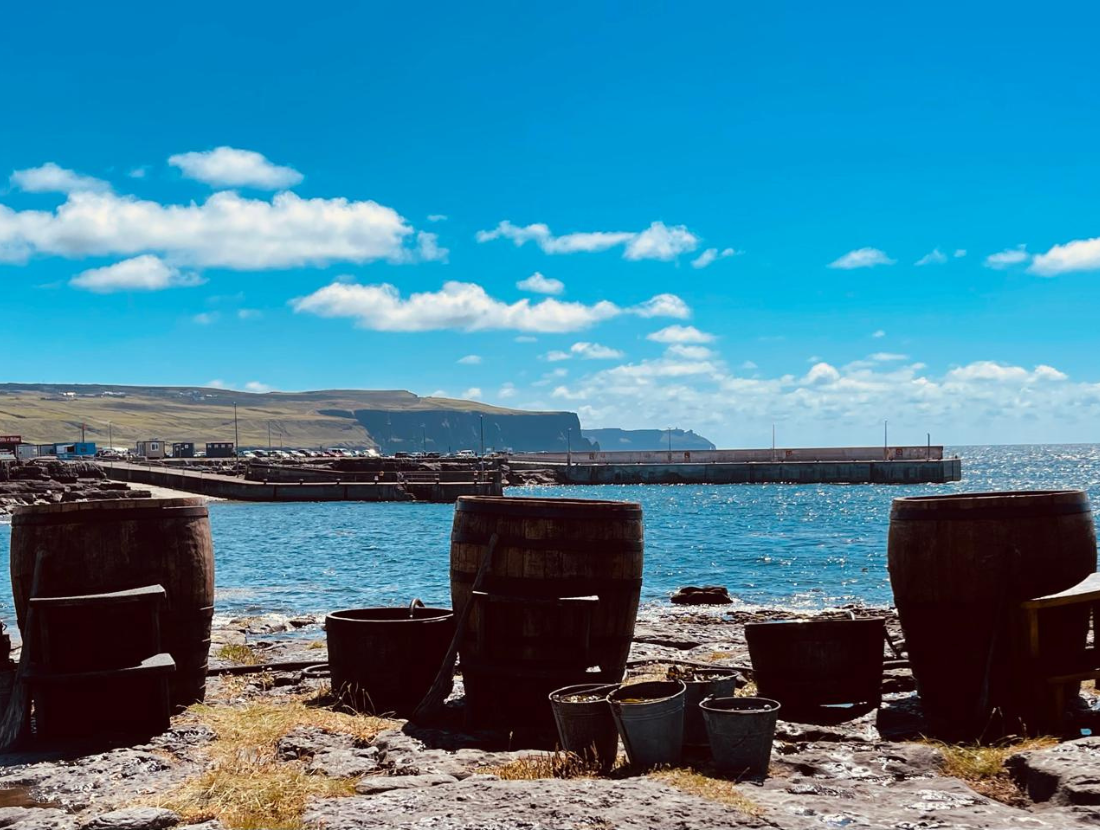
(741, 730)
(723, 684)
(586, 727)
(650, 718)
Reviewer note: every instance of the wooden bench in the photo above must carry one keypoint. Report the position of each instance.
(1054, 677)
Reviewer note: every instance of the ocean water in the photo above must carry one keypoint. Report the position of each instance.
(772, 545)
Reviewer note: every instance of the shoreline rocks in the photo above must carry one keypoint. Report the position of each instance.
(42, 481)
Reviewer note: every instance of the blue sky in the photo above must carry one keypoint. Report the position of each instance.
(224, 193)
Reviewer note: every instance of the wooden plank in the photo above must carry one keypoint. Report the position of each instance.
(1087, 590)
(150, 593)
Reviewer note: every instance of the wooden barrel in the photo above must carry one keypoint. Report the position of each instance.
(959, 567)
(101, 546)
(808, 664)
(385, 659)
(521, 641)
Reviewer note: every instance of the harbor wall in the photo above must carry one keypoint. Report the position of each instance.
(797, 472)
(931, 452)
(237, 489)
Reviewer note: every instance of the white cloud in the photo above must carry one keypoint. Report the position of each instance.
(428, 248)
(959, 253)
(473, 393)
(256, 386)
(680, 334)
(230, 167)
(689, 352)
(437, 217)
(585, 351)
(470, 360)
(1007, 258)
(661, 242)
(887, 357)
(878, 334)
(749, 365)
(862, 258)
(206, 318)
(933, 257)
(538, 284)
(468, 307)
(50, 178)
(507, 390)
(663, 305)
(1078, 255)
(141, 273)
(658, 241)
(249, 314)
(225, 231)
(525, 338)
(217, 383)
(138, 172)
(830, 405)
(710, 255)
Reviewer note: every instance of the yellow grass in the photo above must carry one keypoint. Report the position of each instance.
(715, 789)
(546, 765)
(238, 653)
(982, 766)
(244, 784)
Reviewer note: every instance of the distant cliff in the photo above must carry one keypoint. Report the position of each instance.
(610, 440)
(444, 430)
(392, 420)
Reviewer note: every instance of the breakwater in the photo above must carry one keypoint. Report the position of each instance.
(756, 472)
(239, 489)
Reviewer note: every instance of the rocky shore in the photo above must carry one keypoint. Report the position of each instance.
(269, 750)
(51, 482)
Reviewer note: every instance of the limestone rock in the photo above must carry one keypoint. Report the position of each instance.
(35, 818)
(384, 783)
(706, 595)
(480, 803)
(1068, 773)
(133, 818)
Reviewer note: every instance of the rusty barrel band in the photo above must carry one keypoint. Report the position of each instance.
(905, 513)
(535, 509)
(564, 545)
(537, 587)
(84, 517)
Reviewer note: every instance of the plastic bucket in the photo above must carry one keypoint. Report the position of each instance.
(740, 730)
(650, 719)
(723, 684)
(586, 727)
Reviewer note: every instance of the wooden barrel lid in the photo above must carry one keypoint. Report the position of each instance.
(108, 509)
(1013, 504)
(549, 508)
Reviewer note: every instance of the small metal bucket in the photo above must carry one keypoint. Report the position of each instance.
(587, 728)
(741, 730)
(650, 719)
(695, 730)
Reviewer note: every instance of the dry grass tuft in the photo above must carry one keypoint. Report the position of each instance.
(317, 645)
(748, 690)
(546, 765)
(238, 653)
(245, 785)
(983, 766)
(714, 789)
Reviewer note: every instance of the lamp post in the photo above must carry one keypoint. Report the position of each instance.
(482, 418)
(236, 433)
(886, 440)
(569, 446)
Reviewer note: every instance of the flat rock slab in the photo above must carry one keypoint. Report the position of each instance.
(104, 780)
(35, 818)
(413, 751)
(384, 783)
(482, 803)
(134, 818)
(1066, 774)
